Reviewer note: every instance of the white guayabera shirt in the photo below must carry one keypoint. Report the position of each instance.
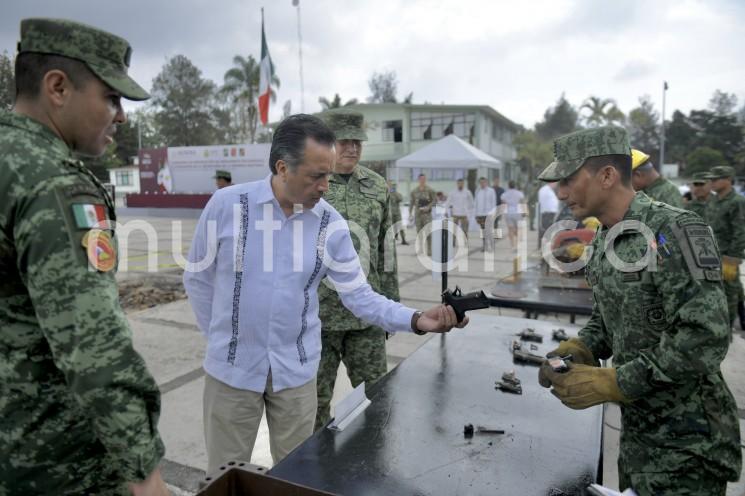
(252, 278)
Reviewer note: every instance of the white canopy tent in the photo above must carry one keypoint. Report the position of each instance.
(450, 152)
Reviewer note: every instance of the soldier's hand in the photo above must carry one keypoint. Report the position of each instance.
(439, 319)
(152, 486)
(573, 346)
(584, 386)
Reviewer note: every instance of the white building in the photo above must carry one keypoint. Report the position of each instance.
(125, 180)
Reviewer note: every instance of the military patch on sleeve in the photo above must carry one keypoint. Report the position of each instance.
(702, 245)
(89, 215)
(697, 246)
(99, 247)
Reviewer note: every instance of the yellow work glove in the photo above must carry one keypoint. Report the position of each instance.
(729, 268)
(584, 386)
(573, 346)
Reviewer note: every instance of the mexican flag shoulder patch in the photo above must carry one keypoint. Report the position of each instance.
(88, 215)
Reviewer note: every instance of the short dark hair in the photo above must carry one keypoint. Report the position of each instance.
(482, 178)
(30, 69)
(511, 184)
(622, 163)
(288, 142)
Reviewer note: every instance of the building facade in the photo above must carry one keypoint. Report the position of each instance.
(396, 129)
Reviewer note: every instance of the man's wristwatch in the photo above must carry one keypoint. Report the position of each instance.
(414, 320)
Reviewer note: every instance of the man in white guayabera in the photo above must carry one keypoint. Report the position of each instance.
(260, 251)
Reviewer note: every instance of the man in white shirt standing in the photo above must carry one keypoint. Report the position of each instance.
(259, 253)
(486, 204)
(548, 204)
(459, 205)
(514, 209)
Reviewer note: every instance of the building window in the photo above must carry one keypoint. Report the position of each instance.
(435, 125)
(393, 131)
(124, 178)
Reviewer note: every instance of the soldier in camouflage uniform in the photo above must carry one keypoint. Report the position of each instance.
(727, 219)
(396, 200)
(361, 196)
(700, 195)
(645, 178)
(422, 202)
(78, 408)
(662, 320)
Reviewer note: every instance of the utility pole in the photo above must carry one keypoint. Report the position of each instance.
(662, 132)
(296, 3)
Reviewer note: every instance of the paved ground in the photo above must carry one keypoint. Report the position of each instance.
(173, 347)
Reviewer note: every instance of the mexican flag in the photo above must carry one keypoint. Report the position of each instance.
(266, 71)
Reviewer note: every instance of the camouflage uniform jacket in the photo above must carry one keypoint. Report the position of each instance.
(701, 207)
(365, 202)
(727, 219)
(78, 408)
(396, 200)
(664, 191)
(667, 331)
(426, 198)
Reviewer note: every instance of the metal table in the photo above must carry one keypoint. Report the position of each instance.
(528, 294)
(410, 440)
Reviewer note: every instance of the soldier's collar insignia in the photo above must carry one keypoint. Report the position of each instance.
(99, 247)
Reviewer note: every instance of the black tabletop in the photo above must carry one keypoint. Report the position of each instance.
(410, 440)
(529, 292)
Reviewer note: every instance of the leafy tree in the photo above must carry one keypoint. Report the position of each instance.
(643, 124)
(383, 87)
(601, 112)
(241, 89)
(722, 103)
(183, 103)
(558, 120)
(720, 132)
(702, 159)
(680, 138)
(335, 102)
(533, 153)
(7, 82)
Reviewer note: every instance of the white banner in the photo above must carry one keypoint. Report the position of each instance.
(193, 167)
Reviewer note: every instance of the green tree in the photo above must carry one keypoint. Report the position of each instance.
(722, 103)
(680, 138)
(383, 87)
(335, 102)
(702, 159)
(533, 153)
(643, 125)
(183, 102)
(558, 120)
(241, 89)
(601, 112)
(720, 132)
(7, 82)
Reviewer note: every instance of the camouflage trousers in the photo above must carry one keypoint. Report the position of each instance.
(733, 290)
(421, 221)
(672, 484)
(363, 354)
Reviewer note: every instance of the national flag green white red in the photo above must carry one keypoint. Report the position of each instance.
(266, 71)
(88, 215)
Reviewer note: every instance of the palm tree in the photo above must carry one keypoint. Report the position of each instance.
(241, 88)
(602, 111)
(335, 102)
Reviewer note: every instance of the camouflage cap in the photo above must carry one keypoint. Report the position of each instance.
(571, 150)
(721, 171)
(105, 54)
(700, 178)
(346, 124)
(223, 174)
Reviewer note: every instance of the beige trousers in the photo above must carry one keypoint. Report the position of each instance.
(232, 417)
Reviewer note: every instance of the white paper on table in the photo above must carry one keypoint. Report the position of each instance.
(349, 408)
(604, 491)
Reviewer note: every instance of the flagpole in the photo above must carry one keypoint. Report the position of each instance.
(662, 133)
(296, 3)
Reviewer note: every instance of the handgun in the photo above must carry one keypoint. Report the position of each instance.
(461, 303)
(526, 357)
(559, 335)
(529, 334)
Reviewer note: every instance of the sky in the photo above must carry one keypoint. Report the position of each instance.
(516, 56)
